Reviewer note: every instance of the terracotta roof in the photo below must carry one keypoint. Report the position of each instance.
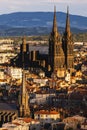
(3, 80)
(15, 123)
(46, 112)
(27, 120)
(4, 129)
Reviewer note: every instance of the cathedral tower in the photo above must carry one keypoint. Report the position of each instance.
(67, 44)
(24, 52)
(24, 106)
(56, 55)
(24, 46)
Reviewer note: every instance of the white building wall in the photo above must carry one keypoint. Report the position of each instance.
(47, 118)
(15, 73)
(2, 75)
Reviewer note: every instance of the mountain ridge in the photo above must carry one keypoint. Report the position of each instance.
(37, 20)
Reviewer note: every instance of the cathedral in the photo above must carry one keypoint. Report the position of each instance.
(60, 54)
(61, 51)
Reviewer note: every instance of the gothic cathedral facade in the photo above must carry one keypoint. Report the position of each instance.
(60, 51)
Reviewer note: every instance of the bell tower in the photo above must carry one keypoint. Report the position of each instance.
(56, 55)
(24, 106)
(67, 44)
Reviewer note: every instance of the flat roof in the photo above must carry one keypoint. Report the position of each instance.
(7, 107)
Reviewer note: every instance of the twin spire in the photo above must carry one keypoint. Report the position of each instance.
(67, 28)
(54, 30)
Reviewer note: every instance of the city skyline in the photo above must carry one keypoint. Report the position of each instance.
(76, 7)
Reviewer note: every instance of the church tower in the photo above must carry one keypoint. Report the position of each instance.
(67, 44)
(56, 55)
(24, 106)
(24, 46)
(24, 52)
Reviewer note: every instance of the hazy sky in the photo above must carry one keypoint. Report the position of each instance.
(78, 7)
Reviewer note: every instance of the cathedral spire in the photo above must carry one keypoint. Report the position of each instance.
(67, 29)
(54, 29)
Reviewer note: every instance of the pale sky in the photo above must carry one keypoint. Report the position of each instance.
(78, 7)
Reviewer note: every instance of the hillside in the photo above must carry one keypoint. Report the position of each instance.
(36, 23)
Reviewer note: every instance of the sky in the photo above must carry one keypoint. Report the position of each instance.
(78, 7)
